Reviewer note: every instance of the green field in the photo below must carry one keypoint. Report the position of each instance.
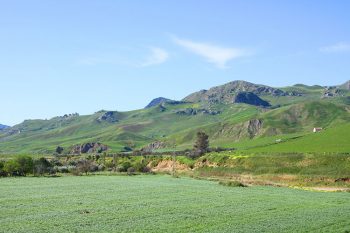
(157, 203)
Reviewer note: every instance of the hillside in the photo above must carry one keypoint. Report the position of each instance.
(236, 112)
(3, 127)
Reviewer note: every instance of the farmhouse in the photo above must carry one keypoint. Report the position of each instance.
(315, 130)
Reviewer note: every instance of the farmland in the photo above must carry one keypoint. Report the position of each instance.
(160, 203)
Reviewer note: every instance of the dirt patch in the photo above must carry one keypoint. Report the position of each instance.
(167, 166)
(205, 163)
(329, 189)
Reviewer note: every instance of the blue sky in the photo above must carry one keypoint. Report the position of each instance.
(65, 56)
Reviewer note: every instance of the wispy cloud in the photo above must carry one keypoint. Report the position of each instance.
(156, 57)
(219, 56)
(336, 48)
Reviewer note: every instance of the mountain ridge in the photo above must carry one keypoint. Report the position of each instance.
(228, 113)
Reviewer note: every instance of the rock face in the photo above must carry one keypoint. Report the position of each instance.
(225, 93)
(254, 127)
(3, 127)
(193, 111)
(332, 92)
(153, 146)
(345, 86)
(162, 100)
(109, 117)
(90, 147)
(250, 98)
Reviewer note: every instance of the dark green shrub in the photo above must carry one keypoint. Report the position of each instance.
(42, 166)
(232, 183)
(131, 171)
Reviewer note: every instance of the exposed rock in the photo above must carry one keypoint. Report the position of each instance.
(250, 98)
(109, 117)
(162, 100)
(345, 86)
(332, 91)
(167, 166)
(90, 147)
(254, 127)
(12, 131)
(193, 111)
(225, 93)
(154, 146)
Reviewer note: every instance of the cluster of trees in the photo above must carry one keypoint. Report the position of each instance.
(23, 165)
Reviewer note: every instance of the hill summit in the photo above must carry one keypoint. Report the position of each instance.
(227, 93)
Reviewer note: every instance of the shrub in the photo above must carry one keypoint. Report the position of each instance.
(232, 183)
(131, 171)
(25, 165)
(84, 165)
(11, 167)
(42, 166)
(61, 169)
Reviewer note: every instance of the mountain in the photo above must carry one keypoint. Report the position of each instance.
(162, 100)
(227, 93)
(3, 127)
(345, 85)
(232, 113)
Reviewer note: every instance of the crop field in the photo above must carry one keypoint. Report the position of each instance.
(156, 203)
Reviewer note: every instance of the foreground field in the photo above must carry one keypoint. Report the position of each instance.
(163, 204)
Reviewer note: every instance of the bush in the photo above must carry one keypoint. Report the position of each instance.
(232, 183)
(61, 169)
(131, 171)
(84, 166)
(75, 171)
(42, 166)
(11, 167)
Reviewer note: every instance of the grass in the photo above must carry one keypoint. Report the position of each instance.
(164, 204)
(334, 140)
(289, 169)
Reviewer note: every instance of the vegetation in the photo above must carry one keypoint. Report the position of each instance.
(295, 111)
(201, 145)
(164, 204)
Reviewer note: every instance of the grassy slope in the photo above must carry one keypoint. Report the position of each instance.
(297, 116)
(336, 139)
(164, 204)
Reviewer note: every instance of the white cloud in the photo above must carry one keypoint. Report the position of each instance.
(336, 48)
(219, 56)
(156, 57)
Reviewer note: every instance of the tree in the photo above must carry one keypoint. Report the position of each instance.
(59, 149)
(25, 165)
(11, 167)
(202, 144)
(41, 166)
(84, 165)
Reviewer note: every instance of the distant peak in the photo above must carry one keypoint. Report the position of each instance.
(345, 85)
(162, 100)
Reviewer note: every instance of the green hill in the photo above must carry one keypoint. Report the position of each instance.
(293, 111)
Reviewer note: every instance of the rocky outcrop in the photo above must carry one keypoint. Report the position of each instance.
(90, 147)
(225, 93)
(109, 116)
(162, 100)
(332, 91)
(193, 111)
(154, 146)
(254, 127)
(345, 86)
(250, 98)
